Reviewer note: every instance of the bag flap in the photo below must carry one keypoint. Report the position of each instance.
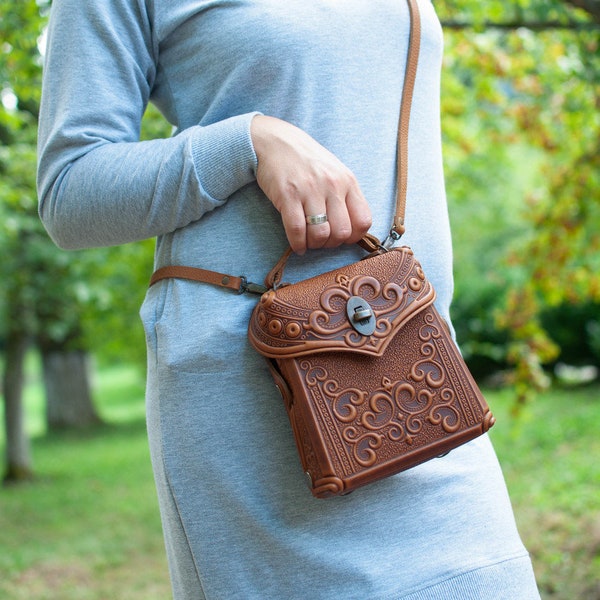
(311, 316)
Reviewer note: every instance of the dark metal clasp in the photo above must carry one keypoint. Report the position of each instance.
(251, 288)
(361, 315)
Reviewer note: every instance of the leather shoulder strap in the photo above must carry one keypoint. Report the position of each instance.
(410, 76)
(195, 274)
(231, 282)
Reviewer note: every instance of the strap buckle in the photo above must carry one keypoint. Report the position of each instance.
(250, 287)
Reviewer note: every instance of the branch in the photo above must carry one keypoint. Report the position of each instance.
(533, 25)
(590, 6)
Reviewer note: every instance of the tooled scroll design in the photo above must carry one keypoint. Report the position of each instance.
(283, 324)
(397, 411)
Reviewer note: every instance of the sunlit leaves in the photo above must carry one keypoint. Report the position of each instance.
(509, 89)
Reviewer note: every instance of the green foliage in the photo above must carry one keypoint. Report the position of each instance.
(80, 300)
(479, 14)
(522, 143)
(576, 330)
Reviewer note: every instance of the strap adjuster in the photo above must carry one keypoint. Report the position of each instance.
(250, 287)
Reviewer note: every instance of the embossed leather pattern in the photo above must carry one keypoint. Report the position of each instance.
(363, 407)
(311, 316)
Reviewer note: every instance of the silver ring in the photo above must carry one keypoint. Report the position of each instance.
(316, 219)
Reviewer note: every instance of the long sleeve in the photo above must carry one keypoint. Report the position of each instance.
(97, 183)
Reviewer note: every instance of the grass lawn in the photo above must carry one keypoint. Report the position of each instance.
(87, 528)
(550, 454)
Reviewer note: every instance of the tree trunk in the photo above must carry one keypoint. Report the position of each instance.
(68, 396)
(18, 453)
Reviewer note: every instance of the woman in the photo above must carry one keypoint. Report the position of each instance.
(283, 111)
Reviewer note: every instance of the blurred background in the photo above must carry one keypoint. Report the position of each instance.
(521, 127)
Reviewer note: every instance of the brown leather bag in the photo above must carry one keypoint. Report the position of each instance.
(372, 381)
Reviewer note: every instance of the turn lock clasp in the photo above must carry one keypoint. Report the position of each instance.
(361, 315)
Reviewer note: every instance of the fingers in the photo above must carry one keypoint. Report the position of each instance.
(317, 233)
(347, 220)
(296, 228)
(348, 217)
(303, 179)
(338, 229)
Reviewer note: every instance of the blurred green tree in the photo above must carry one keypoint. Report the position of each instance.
(39, 296)
(64, 303)
(18, 117)
(526, 104)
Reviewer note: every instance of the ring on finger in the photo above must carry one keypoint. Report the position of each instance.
(316, 219)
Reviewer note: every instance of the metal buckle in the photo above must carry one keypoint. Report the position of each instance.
(251, 288)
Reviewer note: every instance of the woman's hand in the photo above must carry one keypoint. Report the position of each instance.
(301, 178)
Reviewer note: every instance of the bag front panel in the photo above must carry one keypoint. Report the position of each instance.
(360, 418)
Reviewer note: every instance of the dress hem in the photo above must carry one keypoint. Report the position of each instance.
(503, 580)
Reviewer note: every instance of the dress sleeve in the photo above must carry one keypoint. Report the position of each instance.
(99, 185)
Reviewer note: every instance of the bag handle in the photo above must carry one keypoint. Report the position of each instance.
(369, 242)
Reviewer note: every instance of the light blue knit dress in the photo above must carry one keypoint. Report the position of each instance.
(238, 519)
